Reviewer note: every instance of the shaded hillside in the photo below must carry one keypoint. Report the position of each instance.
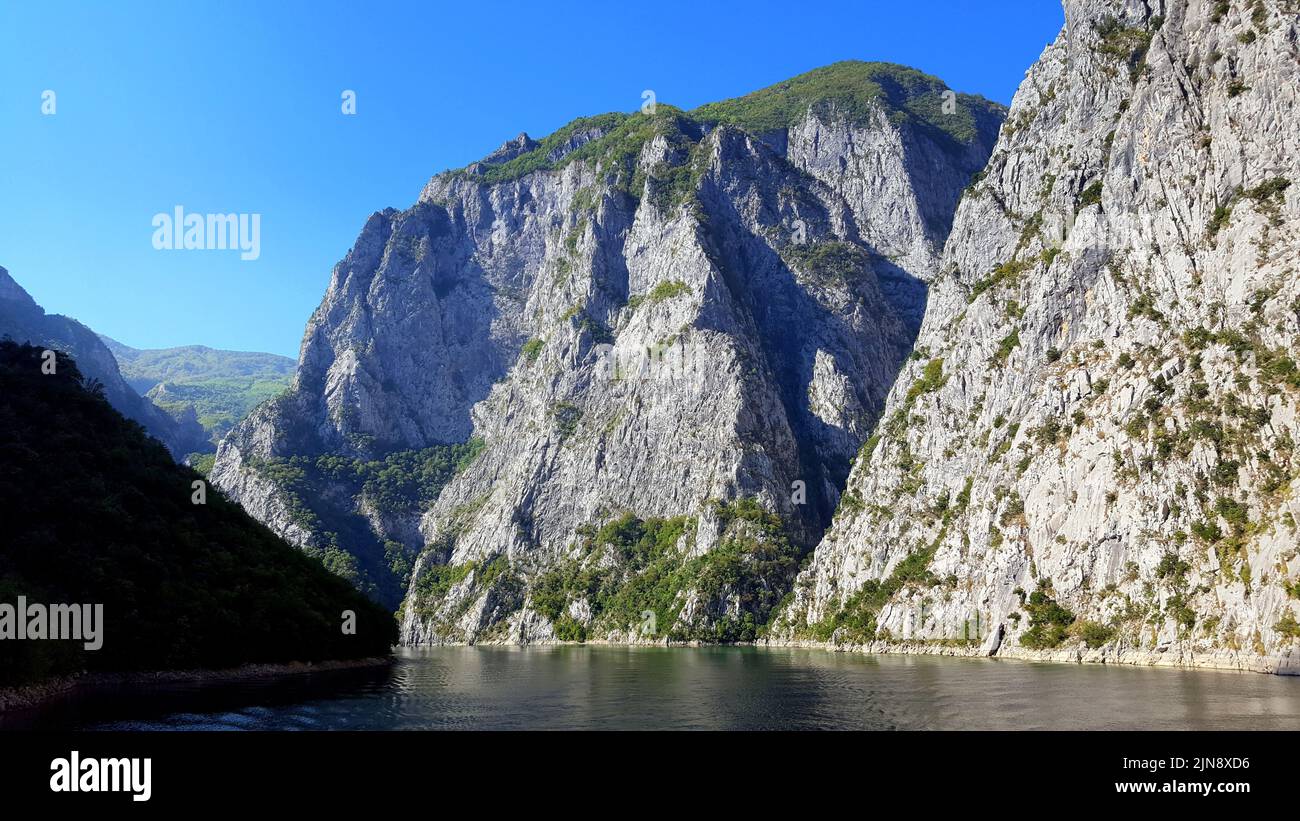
(22, 320)
(94, 511)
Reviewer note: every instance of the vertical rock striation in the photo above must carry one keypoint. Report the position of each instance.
(1093, 451)
(663, 335)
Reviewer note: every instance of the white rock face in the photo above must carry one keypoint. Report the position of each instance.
(1104, 411)
(717, 316)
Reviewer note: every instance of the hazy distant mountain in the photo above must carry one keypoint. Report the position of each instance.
(24, 321)
(218, 387)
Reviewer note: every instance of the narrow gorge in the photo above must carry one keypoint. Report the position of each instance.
(853, 359)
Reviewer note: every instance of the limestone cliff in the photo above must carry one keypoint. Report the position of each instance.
(659, 340)
(1093, 454)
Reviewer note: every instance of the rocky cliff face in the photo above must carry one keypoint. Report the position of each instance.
(661, 337)
(25, 321)
(1094, 452)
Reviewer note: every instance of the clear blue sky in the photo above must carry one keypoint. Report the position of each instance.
(235, 107)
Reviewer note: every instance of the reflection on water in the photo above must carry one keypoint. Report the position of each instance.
(699, 688)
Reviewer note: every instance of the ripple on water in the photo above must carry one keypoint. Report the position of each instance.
(705, 688)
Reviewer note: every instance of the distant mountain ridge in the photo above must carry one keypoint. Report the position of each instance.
(22, 320)
(216, 387)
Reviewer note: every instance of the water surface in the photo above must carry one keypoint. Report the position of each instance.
(711, 688)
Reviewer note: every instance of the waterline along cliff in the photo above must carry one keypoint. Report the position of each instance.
(853, 359)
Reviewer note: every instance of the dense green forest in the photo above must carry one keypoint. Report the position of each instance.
(95, 511)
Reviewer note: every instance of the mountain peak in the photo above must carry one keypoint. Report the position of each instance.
(851, 89)
(854, 88)
(11, 291)
(660, 230)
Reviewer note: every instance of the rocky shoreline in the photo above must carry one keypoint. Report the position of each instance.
(1172, 658)
(1282, 665)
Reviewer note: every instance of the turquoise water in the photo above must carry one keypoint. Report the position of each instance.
(728, 688)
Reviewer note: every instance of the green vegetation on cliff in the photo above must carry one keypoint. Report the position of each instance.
(326, 494)
(635, 576)
(1049, 622)
(851, 89)
(855, 621)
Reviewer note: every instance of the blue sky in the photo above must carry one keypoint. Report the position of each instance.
(235, 107)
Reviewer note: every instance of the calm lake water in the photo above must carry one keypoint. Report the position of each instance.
(695, 689)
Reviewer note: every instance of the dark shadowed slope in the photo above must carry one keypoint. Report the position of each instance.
(94, 511)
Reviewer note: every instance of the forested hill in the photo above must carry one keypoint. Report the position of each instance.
(95, 511)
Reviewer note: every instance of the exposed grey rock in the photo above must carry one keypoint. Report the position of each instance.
(711, 314)
(1116, 330)
(993, 641)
